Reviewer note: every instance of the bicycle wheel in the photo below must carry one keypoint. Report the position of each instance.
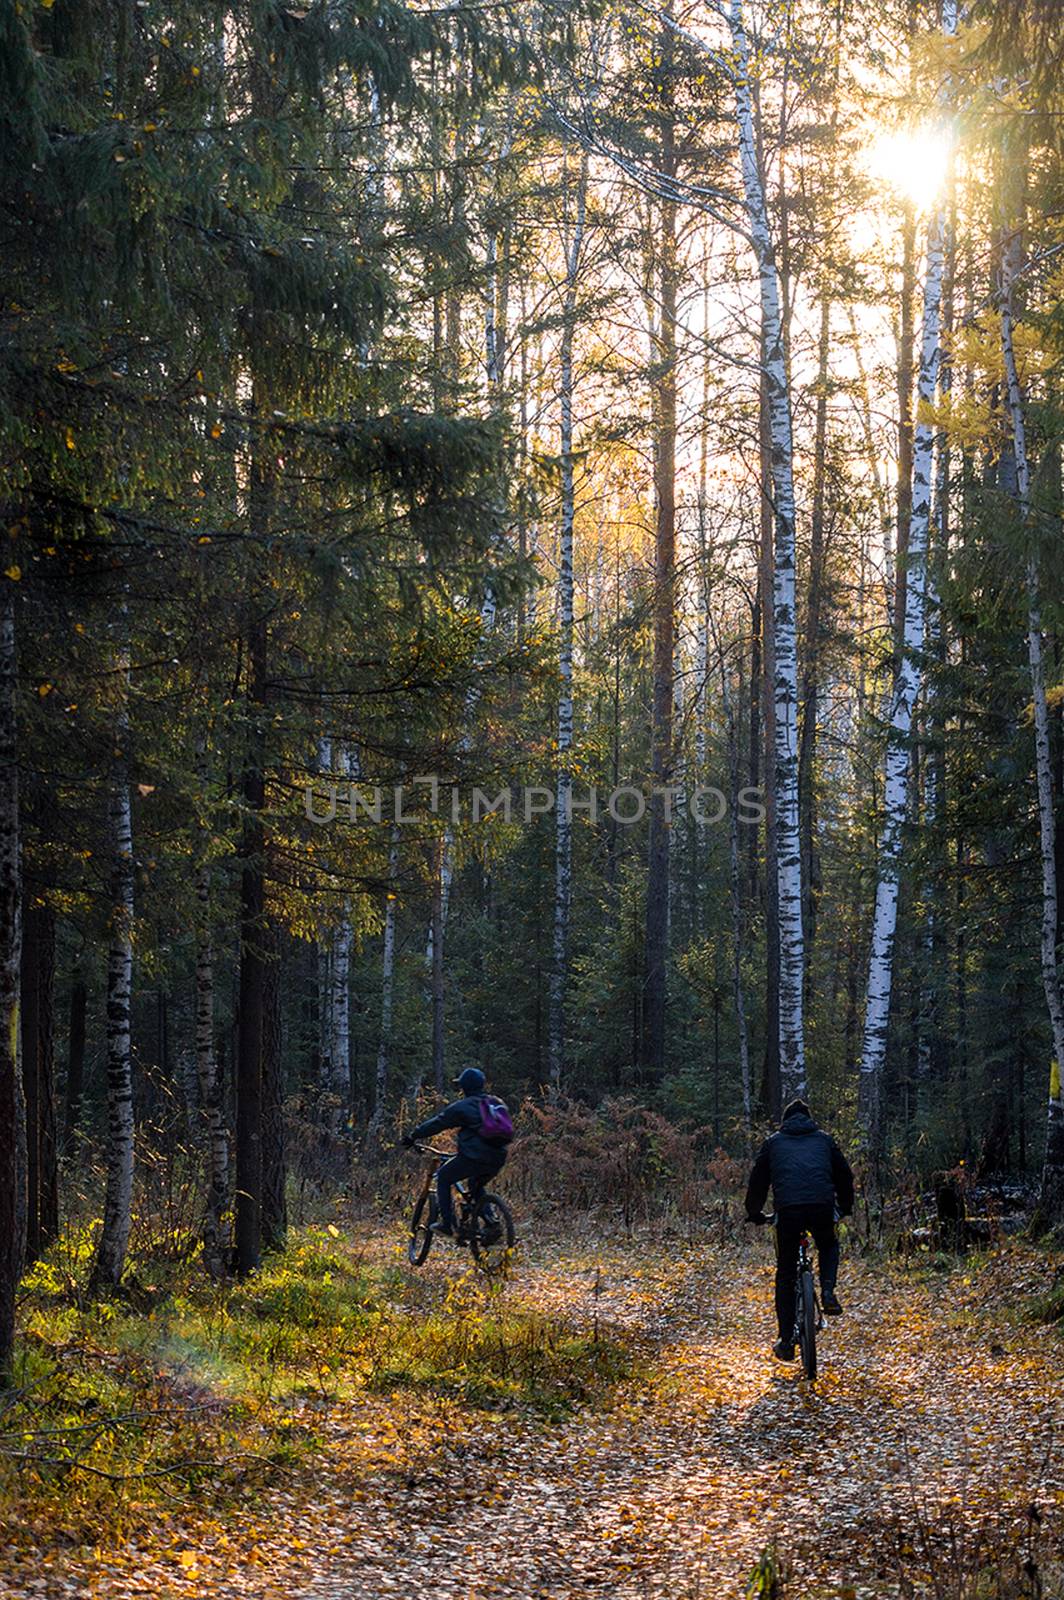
(807, 1324)
(420, 1241)
(491, 1236)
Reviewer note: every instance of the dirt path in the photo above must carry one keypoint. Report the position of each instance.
(713, 1449)
(930, 1391)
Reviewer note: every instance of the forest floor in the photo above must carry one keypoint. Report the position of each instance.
(934, 1427)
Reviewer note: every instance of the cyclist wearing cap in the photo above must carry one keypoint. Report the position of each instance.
(476, 1158)
(811, 1183)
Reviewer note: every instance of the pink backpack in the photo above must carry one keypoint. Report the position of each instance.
(496, 1123)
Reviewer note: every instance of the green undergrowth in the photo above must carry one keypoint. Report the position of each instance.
(1049, 1306)
(182, 1388)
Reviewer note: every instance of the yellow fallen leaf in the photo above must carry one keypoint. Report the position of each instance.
(13, 572)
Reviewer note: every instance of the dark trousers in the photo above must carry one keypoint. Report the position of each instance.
(820, 1222)
(450, 1173)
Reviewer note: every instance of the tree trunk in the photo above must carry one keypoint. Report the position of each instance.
(931, 1055)
(118, 1197)
(811, 880)
(12, 1111)
(905, 423)
(1051, 1200)
(384, 1044)
(323, 971)
(436, 971)
(248, 1204)
(210, 1085)
(788, 864)
(29, 993)
(904, 695)
(340, 1006)
(38, 1074)
(652, 1053)
(563, 847)
(274, 1170)
(764, 692)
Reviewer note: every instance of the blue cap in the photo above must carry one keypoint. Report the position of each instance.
(471, 1081)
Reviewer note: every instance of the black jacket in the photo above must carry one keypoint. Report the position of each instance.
(464, 1115)
(805, 1167)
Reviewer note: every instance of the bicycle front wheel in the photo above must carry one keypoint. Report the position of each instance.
(491, 1237)
(807, 1324)
(420, 1241)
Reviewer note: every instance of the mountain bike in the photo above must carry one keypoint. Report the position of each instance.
(483, 1222)
(808, 1318)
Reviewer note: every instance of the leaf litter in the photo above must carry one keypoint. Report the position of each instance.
(937, 1406)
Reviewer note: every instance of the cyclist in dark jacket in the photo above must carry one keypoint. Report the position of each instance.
(476, 1158)
(811, 1181)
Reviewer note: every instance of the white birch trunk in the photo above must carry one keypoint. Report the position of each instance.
(905, 691)
(788, 868)
(118, 1195)
(1052, 1195)
(563, 841)
(933, 635)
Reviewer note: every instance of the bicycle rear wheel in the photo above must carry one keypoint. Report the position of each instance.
(807, 1323)
(420, 1242)
(491, 1236)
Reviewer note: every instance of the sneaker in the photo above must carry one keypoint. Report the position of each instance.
(783, 1350)
(831, 1303)
(441, 1230)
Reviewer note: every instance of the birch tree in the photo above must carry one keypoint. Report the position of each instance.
(563, 846)
(788, 844)
(113, 1242)
(906, 688)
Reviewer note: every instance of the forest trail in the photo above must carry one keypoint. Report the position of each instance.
(713, 1450)
(932, 1390)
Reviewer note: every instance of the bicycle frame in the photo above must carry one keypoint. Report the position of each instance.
(467, 1197)
(803, 1274)
(483, 1219)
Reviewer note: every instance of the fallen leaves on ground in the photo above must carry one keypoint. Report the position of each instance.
(934, 1396)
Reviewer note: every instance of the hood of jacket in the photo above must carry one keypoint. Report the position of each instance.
(798, 1124)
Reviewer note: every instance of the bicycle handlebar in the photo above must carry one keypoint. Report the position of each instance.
(430, 1150)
